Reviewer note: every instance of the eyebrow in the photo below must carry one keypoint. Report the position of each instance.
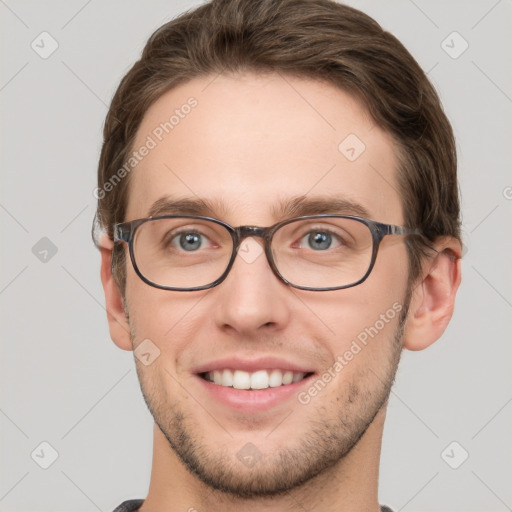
(168, 205)
(303, 205)
(283, 209)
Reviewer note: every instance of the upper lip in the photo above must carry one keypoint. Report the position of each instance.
(251, 365)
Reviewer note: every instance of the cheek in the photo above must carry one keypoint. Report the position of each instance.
(171, 320)
(367, 314)
(366, 335)
(364, 354)
(387, 282)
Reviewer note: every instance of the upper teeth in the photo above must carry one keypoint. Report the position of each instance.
(260, 379)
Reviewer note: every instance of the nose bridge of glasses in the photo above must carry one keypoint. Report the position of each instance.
(248, 252)
(243, 232)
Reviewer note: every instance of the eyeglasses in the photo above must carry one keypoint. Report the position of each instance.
(312, 252)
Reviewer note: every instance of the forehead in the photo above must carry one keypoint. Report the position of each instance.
(244, 143)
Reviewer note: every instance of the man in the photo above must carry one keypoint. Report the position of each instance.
(277, 189)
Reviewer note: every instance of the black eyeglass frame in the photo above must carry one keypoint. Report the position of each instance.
(125, 232)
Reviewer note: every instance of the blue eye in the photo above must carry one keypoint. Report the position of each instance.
(188, 241)
(319, 240)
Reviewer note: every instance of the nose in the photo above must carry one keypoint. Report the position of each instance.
(252, 298)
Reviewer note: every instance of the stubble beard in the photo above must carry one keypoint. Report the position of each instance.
(327, 441)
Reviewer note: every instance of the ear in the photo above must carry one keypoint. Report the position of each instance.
(117, 321)
(433, 297)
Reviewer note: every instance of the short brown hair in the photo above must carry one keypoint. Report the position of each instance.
(315, 39)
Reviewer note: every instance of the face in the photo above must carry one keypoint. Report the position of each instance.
(249, 144)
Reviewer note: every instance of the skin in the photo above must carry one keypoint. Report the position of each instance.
(254, 140)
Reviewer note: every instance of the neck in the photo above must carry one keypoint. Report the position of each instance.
(350, 485)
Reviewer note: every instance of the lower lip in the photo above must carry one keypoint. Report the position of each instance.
(253, 399)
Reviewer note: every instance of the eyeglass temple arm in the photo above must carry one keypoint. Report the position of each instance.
(400, 230)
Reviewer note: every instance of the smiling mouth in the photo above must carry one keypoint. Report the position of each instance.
(258, 380)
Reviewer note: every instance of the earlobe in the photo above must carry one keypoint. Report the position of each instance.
(117, 321)
(433, 298)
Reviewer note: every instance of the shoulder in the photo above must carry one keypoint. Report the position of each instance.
(130, 506)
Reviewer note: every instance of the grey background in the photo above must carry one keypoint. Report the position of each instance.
(63, 381)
